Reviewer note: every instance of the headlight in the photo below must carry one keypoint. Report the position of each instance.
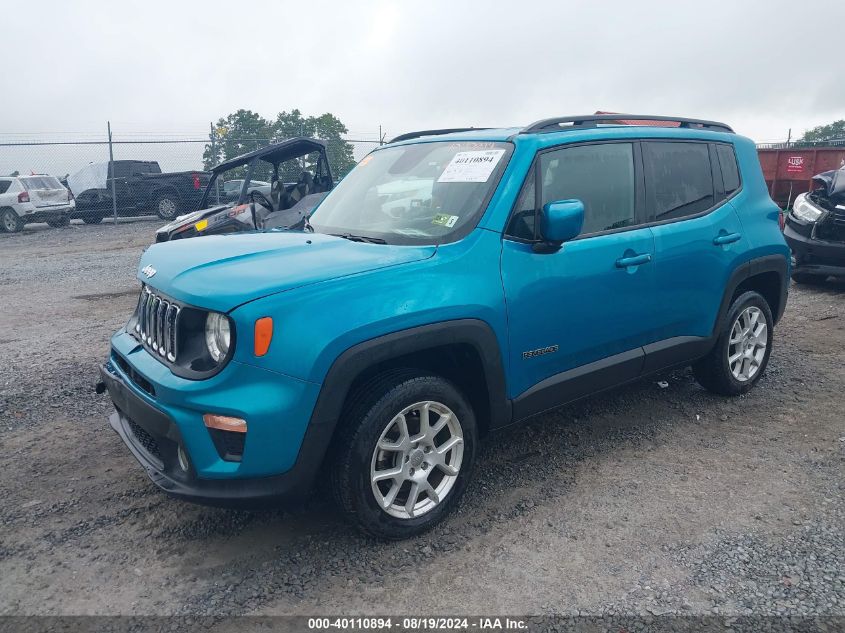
(805, 210)
(217, 335)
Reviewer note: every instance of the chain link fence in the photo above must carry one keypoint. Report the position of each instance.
(65, 155)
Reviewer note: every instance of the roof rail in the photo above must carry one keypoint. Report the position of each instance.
(409, 135)
(559, 124)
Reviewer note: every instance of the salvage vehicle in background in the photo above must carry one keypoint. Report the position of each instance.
(815, 229)
(35, 198)
(372, 349)
(140, 188)
(250, 203)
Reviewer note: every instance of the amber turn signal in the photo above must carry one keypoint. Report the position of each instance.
(263, 335)
(224, 423)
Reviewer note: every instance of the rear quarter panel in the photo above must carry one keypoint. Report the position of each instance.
(756, 210)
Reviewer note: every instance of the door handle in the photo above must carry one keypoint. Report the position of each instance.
(726, 238)
(633, 260)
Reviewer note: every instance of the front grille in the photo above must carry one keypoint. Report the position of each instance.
(147, 441)
(157, 323)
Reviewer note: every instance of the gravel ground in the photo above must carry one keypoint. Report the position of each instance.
(647, 500)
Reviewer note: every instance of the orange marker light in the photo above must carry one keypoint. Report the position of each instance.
(263, 335)
(224, 423)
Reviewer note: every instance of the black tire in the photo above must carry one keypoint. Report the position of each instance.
(92, 217)
(713, 372)
(808, 279)
(10, 222)
(366, 416)
(167, 206)
(59, 222)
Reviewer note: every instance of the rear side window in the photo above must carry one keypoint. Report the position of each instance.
(4, 185)
(145, 168)
(121, 169)
(601, 176)
(730, 171)
(679, 179)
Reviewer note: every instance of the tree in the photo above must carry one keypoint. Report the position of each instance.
(245, 131)
(240, 132)
(830, 132)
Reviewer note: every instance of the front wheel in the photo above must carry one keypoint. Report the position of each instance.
(741, 353)
(404, 455)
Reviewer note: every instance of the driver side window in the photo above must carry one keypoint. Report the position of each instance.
(601, 176)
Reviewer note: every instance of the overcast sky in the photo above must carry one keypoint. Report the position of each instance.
(171, 67)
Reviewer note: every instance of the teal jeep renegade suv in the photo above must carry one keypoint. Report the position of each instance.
(455, 282)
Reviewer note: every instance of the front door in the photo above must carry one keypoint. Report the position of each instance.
(590, 301)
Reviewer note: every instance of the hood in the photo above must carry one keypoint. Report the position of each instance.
(832, 183)
(220, 272)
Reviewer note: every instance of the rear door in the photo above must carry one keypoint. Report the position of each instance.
(698, 237)
(45, 191)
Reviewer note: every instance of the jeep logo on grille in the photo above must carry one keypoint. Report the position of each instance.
(148, 271)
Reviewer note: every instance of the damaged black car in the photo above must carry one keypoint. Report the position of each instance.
(277, 186)
(815, 229)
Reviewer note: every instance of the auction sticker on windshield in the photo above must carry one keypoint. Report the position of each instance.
(445, 220)
(472, 166)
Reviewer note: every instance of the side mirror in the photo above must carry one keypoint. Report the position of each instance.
(561, 221)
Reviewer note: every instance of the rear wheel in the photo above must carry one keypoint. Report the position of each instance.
(405, 454)
(10, 221)
(167, 206)
(741, 353)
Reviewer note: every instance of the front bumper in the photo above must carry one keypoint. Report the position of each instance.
(813, 255)
(277, 462)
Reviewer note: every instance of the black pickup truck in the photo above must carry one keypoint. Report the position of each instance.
(140, 187)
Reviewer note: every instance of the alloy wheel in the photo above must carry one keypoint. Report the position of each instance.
(417, 460)
(747, 345)
(166, 208)
(9, 221)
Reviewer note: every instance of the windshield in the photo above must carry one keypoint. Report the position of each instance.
(428, 193)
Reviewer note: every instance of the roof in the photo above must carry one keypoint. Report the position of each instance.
(276, 152)
(568, 125)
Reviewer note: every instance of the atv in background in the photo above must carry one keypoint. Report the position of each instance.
(238, 197)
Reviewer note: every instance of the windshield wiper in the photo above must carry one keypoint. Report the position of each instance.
(359, 238)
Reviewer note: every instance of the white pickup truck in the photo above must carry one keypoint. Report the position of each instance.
(37, 198)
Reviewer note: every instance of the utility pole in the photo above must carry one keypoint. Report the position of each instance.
(213, 137)
(111, 171)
